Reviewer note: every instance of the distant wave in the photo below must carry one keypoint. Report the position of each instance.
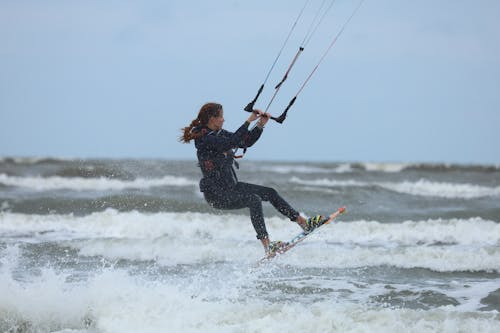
(384, 167)
(284, 169)
(422, 187)
(297, 167)
(334, 168)
(398, 167)
(329, 182)
(93, 171)
(91, 184)
(369, 167)
(445, 190)
(35, 160)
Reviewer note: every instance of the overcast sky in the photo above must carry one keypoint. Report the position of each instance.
(407, 81)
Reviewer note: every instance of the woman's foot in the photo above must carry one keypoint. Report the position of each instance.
(309, 224)
(302, 222)
(272, 247)
(275, 247)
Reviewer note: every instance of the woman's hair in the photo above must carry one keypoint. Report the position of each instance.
(207, 111)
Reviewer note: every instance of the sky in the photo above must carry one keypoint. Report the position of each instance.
(407, 81)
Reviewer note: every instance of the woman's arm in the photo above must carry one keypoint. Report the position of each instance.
(229, 140)
(256, 132)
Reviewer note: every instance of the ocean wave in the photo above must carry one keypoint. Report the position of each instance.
(430, 167)
(304, 169)
(445, 190)
(329, 182)
(313, 167)
(338, 168)
(137, 225)
(429, 232)
(35, 160)
(115, 301)
(382, 167)
(446, 167)
(421, 187)
(91, 184)
(93, 171)
(176, 238)
(443, 258)
(122, 201)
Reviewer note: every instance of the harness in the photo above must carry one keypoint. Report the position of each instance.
(217, 167)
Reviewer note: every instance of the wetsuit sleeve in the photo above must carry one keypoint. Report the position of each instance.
(226, 142)
(251, 137)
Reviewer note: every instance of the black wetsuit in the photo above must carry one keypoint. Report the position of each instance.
(220, 185)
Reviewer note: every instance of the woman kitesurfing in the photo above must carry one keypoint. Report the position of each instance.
(220, 185)
(216, 149)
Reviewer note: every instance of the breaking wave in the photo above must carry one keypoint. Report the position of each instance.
(91, 184)
(421, 187)
(173, 238)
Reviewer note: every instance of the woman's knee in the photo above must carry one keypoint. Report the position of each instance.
(272, 193)
(254, 201)
(268, 193)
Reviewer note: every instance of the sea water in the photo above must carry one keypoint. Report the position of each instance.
(131, 246)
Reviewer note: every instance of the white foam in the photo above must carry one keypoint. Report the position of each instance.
(173, 238)
(421, 187)
(471, 296)
(114, 301)
(42, 303)
(217, 298)
(34, 160)
(329, 182)
(340, 168)
(385, 167)
(4, 206)
(439, 245)
(445, 190)
(439, 258)
(92, 184)
(286, 168)
(470, 231)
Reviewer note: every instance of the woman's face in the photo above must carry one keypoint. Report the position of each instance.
(215, 123)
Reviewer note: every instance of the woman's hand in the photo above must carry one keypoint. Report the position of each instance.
(254, 115)
(263, 119)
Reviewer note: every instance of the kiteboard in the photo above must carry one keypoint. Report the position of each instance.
(303, 235)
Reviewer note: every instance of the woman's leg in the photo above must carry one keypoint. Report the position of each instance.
(236, 199)
(272, 196)
(246, 195)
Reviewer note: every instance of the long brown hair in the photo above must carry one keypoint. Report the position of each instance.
(206, 112)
